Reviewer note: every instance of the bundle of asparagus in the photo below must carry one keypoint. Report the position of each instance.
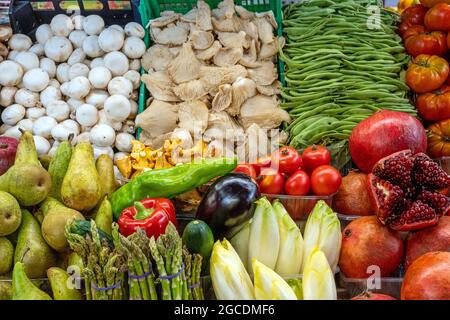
(176, 275)
(104, 266)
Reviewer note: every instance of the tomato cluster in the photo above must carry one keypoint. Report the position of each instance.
(288, 172)
(425, 29)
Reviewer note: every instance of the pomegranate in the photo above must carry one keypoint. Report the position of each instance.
(405, 191)
(384, 133)
(353, 196)
(428, 278)
(8, 147)
(436, 238)
(372, 296)
(366, 243)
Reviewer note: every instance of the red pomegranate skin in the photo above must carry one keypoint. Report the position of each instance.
(436, 238)
(384, 133)
(366, 242)
(428, 278)
(8, 147)
(373, 296)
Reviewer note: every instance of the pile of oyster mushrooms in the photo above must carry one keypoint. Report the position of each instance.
(212, 75)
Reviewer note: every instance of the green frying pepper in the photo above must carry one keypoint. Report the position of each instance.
(168, 183)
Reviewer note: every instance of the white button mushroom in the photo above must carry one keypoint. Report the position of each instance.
(10, 73)
(92, 48)
(134, 48)
(59, 110)
(98, 151)
(135, 64)
(103, 119)
(79, 87)
(93, 24)
(117, 63)
(13, 132)
(77, 56)
(77, 70)
(61, 133)
(35, 113)
(134, 77)
(134, 29)
(87, 115)
(111, 39)
(97, 62)
(26, 98)
(102, 135)
(74, 104)
(61, 25)
(27, 60)
(123, 141)
(72, 126)
(43, 33)
(43, 126)
(62, 72)
(100, 77)
(77, 37)
(77, 21)
(7, 96)
(97, 98)
(26, 125)
(20, 42)
(54, 83)
(36, 80)
(120, 85)
(117, 107)
(58, 49)
(49, 66)
(13, 114)
(37, 49)
(49, 95)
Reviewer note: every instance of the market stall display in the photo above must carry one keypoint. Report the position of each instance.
(90, 210)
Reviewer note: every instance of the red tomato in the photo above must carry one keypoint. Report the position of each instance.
(414, 14)
(427, 73)
(404, 26)
(314, 157)
(325, 180)
(271, 181)
(434, 106)
(263, 162)
(298, 184)
(286, 160)
(419, 41)
(438, 18)
(246, 168)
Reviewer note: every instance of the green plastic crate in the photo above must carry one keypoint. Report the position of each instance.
(151, 9)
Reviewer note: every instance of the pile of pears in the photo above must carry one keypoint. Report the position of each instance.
(36, 203)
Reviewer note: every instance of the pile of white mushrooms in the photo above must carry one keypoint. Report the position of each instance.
(79, 79)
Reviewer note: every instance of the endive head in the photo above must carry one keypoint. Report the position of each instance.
(318, 279)
(269, 285)
(228, 275)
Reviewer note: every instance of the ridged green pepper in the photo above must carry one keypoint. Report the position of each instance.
(168, 183)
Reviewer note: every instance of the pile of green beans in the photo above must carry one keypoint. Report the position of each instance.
(338, 71)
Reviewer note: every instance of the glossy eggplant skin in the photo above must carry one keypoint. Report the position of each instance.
(229, 201)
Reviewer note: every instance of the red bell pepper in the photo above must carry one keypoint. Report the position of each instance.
(152, 215)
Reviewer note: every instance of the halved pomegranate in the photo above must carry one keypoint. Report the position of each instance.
(405, 190)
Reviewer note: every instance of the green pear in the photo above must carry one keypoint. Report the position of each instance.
(26, 180)
(58, 167)
(31, 248)
(5, 288)
(10, 215)
(62, 286)
(6, 255)
(81, 188)
(104, 216)
(56, 216)
(23, 288)
(105, 169)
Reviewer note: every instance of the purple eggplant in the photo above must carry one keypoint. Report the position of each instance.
(229, 202)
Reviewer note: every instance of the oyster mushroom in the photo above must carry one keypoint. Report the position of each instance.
(165, 19)
(249, 59)
(264, 75)
(216, 76)
(193, 116)
(233, 40)
(244, 13)
(233, 24)
(263, 111)
(172, 36)
(160, 86)
(210, 52)
(242, 89)
(271, 90)
(185, 66)
(269, 50)
(228, 56)
(191, 90)
(158, 118)
(190, 17)
(201, 40)
(157, 57)
(203, 18)
(223, 98)
(265, 29)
